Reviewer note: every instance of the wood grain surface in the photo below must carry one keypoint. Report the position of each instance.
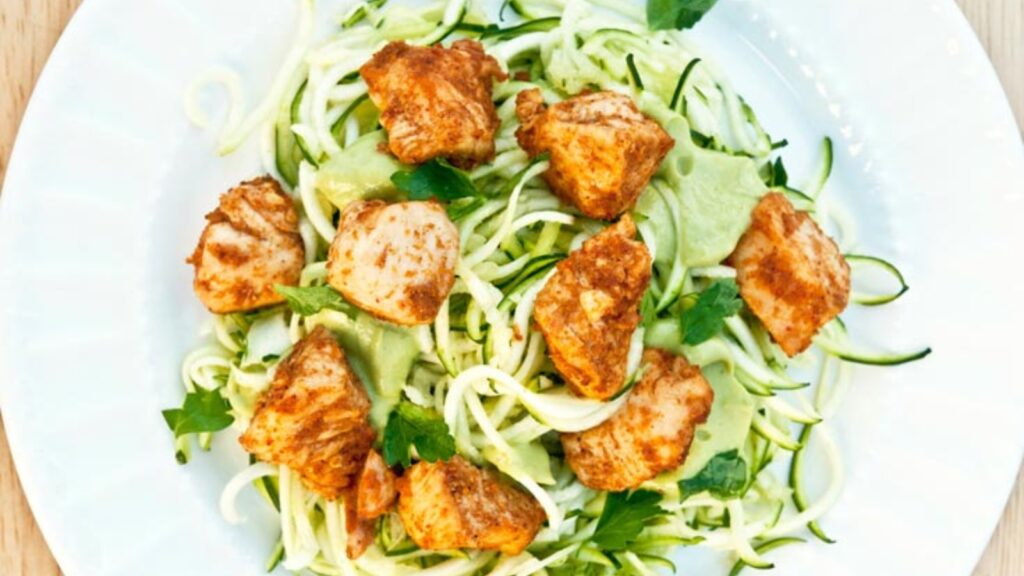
(28, 31)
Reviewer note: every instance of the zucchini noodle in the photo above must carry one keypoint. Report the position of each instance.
(481, 364)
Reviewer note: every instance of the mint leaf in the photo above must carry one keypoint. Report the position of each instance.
(677, 14)
(724, 476)
(203, 411)
(308, 300)
(624, 517)
(410, 425)
(714, 305)
(435, 179)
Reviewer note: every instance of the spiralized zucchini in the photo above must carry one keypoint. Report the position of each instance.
(483, 366)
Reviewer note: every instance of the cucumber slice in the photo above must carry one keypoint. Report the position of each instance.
(817, 183)
(677, 94)
(450, 23)
(294, 110)
(796, 485)
(287, 155)
(634, 74)
(770, 432)
(864, 263)
(844, 351)
(535, 25)
(338, 128)
(276, 555)
(592, 555)
(657, 562)
(360, 12)
(761, 549)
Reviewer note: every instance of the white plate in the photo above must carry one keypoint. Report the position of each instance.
(108, 185)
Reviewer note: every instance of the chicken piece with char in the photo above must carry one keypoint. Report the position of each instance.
(453, 504)
(396, 261)
(251, 242)
(650, 434)
(313, 418)
(791, 275)
(435, 102)
(603, 150)
(589, 309)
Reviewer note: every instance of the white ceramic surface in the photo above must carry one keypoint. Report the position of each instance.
(108, 185)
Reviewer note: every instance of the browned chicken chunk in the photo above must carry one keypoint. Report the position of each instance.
(313, 418)
(448, 505)
(360, 531)
(650, 434)
(790, 274)
(251, 242)
(376, 491)
(604, 151)
(396, 261)
(589, 309)
(434, 101)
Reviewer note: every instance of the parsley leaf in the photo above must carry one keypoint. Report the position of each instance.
(435, 179)
(725, 476)
(410, 425)
(714, 305)
(678, 14)
(203, 411)
(776, 175)
(308, 300)
(624, 517)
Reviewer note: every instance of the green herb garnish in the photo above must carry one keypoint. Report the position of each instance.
(677, 14)
(435, 179)
(724, 476)
(308, 300)
(624, 516)
(714, 305)
(203, 411)
(410, 425)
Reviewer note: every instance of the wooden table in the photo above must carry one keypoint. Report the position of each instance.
(28, 31)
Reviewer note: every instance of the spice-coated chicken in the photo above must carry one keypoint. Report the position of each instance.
(435, 102)
(251, 242)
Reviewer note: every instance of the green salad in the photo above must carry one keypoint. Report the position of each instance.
(486, 381)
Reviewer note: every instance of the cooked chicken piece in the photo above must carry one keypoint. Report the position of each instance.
(313, 418)
(435, 102)
(373, 496)
(650, 434)
(360, 531)
(396, 261)
(588, 310)
(251, 242)
(791, 275)
(376, 491)
(603, 150)
(448, 505)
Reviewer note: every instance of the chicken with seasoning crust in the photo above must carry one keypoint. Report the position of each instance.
(374, 495)
(791, 275)
(376, 492)
(453, 504)
(251, 242)
(650, 434)
(603, 150)
(589, 309)
(313, 418)
(360, 531)
(396, 261)
(435, 102)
